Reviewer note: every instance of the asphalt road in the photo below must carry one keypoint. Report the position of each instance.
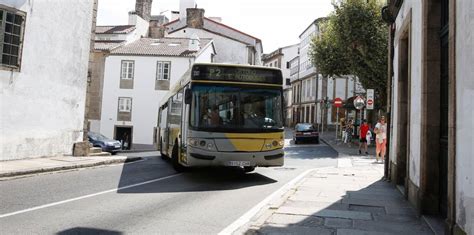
(146, 196)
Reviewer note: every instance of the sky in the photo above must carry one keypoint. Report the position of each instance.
(277, 23)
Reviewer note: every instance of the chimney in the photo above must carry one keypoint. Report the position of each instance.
(183, 5)
(132, 18)
(195, 18)
(174, 15)
(194, 43)
(143, 9)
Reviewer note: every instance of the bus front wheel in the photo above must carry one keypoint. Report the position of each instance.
(175, 159)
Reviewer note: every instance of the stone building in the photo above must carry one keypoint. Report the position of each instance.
(431, 103)
(280, 58)
(43, 76)
(234, 46)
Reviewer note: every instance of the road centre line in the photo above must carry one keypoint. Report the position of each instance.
(245, 218)
(86, 196)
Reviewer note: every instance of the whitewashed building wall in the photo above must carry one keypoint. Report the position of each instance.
(42, 105)
(465, 115)
(229, 50)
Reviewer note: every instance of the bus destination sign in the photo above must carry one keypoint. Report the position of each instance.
(237, 74)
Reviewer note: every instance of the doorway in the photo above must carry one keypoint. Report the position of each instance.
(403, 123)
(124, 134)
(444, 109)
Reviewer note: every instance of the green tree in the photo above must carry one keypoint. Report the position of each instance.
(354, 41)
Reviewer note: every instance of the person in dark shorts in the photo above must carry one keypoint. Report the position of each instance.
(363, 129)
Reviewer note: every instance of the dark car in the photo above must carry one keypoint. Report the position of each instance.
(106, 144)
(305, 132)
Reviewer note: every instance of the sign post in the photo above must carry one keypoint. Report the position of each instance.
(359, 104)
(370, 99)
(337, 104)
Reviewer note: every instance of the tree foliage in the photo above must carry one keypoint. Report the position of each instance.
(354, 41)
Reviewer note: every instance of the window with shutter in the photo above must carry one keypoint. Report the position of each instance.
(11, 37)
(127, 69)
(163, 70)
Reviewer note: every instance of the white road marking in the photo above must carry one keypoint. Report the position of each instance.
(252, 212)
(85, 196)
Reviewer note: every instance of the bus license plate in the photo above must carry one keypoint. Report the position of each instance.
(239, 163)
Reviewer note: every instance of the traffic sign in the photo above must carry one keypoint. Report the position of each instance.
(370, 98)
(359, 102)
(337, 102)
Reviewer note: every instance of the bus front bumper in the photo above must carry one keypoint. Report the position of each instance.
(199, 157)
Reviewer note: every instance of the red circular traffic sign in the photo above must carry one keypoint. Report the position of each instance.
(370, 102)
(338, 102)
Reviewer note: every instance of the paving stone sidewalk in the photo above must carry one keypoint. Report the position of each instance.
(24, 167)
(346, 149)
(348, 199)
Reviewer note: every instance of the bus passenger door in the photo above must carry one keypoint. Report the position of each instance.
(164, 131)
(174, 121)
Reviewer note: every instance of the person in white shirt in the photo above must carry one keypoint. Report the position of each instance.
(380, 139)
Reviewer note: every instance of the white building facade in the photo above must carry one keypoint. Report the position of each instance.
(43, 76)
(313, 94)
(136, 78)
(281, 59)
(234, 46)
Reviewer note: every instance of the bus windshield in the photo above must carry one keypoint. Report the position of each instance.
(223, 108)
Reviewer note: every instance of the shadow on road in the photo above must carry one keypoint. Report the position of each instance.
(193, 180)
(81, 230)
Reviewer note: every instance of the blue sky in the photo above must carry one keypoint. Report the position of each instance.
(277, 23)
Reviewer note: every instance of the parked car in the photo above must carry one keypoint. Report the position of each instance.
(305, 132)
(106, 144)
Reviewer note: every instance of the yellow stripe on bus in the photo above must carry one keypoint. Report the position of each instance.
(251, 142)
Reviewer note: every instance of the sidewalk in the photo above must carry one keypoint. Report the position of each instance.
(345, 149)
(348, 199)
(48, 164)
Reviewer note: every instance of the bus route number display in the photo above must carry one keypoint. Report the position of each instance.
(229, 73)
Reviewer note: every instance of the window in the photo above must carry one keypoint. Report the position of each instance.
(127, 69)
(163, 70)
(11, 37)
(125, 105)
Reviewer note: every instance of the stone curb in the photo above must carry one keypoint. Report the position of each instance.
(69, 167)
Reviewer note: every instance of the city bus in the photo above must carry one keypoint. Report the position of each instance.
(223, 115)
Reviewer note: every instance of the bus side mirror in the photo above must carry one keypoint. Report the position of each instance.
(187, 96)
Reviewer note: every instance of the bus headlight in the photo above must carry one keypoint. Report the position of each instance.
(205, 144)
(193, 142)
(281, 143)
(210, 146)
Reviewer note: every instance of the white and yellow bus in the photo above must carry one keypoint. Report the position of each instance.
(224, 115)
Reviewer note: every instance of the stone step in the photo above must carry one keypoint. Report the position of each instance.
(99, 154)
(95, 150)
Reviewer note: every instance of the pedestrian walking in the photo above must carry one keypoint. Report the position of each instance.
(363, 129)
(381, 139)
(349, 132)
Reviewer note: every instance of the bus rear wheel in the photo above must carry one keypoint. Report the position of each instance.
(175, 159)
(249, 169)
